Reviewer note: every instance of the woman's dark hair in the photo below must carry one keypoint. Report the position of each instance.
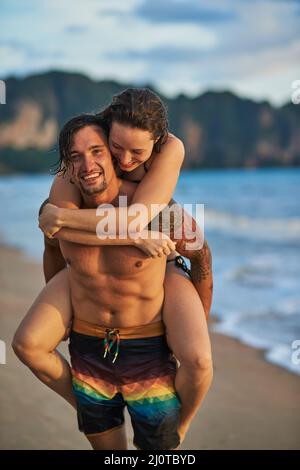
(67, 133)
(141, 108)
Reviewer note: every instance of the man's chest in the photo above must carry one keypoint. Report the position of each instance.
(117, 261)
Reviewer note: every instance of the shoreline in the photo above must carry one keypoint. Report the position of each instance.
(252, 403)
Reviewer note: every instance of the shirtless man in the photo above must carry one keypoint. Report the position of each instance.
(119, 353)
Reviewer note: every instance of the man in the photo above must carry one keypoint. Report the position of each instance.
(118, 347)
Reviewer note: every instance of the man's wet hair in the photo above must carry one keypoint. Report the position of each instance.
(67, 133)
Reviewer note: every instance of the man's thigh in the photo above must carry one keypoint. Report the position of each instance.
(113, 439)
(150, 394)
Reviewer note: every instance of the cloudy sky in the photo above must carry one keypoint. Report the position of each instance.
(251, 47)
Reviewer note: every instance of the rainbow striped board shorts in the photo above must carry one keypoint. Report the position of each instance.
(117, 367)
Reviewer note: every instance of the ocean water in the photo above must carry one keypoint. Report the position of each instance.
(252, 224)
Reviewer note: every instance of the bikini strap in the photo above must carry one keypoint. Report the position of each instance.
(181, 264)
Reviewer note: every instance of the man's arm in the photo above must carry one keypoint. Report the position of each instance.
(202, 278)
(185, 225)
(53, 260)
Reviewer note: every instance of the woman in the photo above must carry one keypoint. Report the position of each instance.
(145, 153)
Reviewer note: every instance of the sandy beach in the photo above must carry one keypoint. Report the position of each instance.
(251, 404)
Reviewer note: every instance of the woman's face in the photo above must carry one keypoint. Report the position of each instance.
(131, 146)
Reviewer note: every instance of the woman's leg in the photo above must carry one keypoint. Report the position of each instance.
(188, 338)
(42, 329)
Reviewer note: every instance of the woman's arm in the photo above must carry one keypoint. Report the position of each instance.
(158, 185)
(154, 192)
(154, 244)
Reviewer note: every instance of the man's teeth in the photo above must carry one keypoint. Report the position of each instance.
(93, 175)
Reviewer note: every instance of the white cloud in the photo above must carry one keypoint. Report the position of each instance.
(256, 52)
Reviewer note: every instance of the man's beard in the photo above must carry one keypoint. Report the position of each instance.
(94, 189)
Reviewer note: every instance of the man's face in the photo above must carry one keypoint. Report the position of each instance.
(91, 162)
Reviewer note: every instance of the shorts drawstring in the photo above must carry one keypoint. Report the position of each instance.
(112, 337)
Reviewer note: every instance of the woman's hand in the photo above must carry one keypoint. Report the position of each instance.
(154, 244)
(49, 220)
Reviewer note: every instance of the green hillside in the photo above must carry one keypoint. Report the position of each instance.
(219, 129)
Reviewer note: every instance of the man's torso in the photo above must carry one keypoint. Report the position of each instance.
(114, 285)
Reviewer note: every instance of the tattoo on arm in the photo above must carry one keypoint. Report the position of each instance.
(201, 260)
(201, 264)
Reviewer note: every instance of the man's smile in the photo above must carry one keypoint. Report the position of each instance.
(91, 178)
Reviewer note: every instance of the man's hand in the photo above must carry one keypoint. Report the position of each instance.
(192, 241)
(49, 220)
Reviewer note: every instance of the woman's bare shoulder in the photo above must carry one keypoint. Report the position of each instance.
(175, 142)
